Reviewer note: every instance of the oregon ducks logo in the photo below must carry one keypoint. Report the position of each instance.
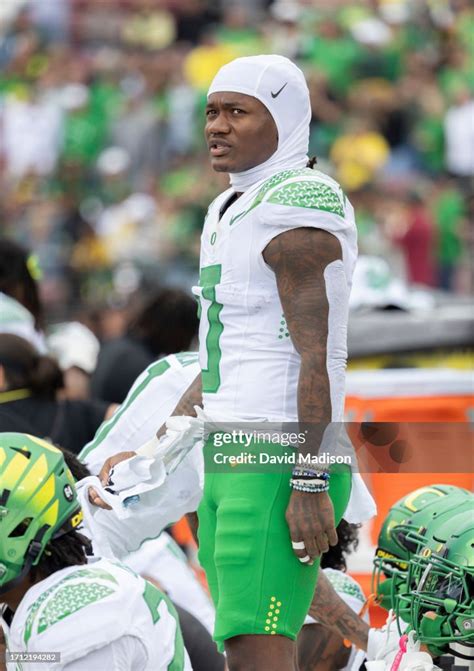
(411, 499)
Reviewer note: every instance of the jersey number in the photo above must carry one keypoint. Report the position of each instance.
(209, 277)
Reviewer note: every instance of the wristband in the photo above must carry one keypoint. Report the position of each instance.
(306, 487)
(302, 482)
(299, 472)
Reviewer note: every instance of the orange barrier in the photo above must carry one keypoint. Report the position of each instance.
(410, 409)
(389, 487)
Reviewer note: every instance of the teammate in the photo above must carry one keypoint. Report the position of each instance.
(439, 590)
(321, 648)
(419, 511)
(148, 405)
(96, 616)
(162, 562)
(425, 522)
(278, 251)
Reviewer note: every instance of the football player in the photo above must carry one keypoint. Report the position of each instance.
(418, 512)
(438, 594)
(94, 616)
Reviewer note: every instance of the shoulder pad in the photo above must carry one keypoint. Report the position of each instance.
(64, 599)
(307, 188)
(309, 194)
(344, 584)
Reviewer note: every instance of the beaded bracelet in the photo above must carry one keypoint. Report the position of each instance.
(310, 473)
(309, 483)
(314, 489)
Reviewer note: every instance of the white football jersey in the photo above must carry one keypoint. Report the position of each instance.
(163, 560)
(150, 401)
(84, 608)
(249, 364)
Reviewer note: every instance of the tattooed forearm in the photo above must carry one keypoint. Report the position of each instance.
(299, 258)
(191, 397)
(330, 610)
(319, 649)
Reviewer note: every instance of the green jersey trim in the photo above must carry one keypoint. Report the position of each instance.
(310, 192)
(69, 599)
(154, 370)
(177, 663)
(310, 195)
(82, 573)
(187, 358)
(211, 379)
(152, 597)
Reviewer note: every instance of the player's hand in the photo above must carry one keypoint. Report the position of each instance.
(310, 518)
(104, 475)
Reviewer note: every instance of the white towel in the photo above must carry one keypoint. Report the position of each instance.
(146, 493)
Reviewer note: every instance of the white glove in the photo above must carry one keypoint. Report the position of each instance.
(416, 661)
(413, 659)
(383, 643)
(386, 651)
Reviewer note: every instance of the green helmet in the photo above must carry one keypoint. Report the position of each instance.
(440, 588)
(38, 503)
(416, 511)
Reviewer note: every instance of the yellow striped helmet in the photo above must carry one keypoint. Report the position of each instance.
(38, 503)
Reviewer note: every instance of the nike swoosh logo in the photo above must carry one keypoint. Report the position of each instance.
(275, 95)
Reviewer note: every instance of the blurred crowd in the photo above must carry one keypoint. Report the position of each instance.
(103, 169)
(60, 380)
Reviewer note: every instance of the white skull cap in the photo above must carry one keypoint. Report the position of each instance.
(281, 86)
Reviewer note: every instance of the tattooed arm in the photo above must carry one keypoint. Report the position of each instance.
(321, 646)
(299, 258)
(191, 397)
(319, 649)
(333, 612)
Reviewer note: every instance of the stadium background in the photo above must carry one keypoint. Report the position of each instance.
(104, 176)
